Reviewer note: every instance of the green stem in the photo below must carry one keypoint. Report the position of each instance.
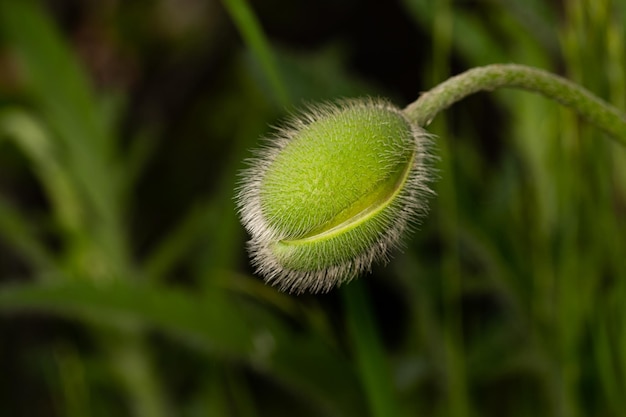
(490, 77)
(371, 360)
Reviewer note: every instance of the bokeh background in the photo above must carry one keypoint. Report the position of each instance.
(125, 288)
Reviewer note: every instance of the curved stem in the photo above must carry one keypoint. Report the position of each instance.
(490, 77)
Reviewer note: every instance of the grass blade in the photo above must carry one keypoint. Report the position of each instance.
(251, 31)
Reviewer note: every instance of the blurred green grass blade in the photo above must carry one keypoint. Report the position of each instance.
(56, 78)
(130, 360)
(216, 402)
(64, 96)
(369, 353)
(311, 368)
(31, 137)
(71, 382)
(210, 321)
(18, 233)
(535, 18)
(472, 38)
(140, 151)
(244, 402)
(173, 247)
(250, 30)
(605, 359)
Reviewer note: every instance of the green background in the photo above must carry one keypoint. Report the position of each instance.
(125, 287)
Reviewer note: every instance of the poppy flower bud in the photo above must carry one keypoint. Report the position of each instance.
(332, 192)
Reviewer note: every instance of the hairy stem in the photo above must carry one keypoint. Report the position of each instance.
(488, 78)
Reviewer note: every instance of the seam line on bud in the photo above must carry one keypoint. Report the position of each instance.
(361, 216)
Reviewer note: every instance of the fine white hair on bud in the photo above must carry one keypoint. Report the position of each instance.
(332, 192)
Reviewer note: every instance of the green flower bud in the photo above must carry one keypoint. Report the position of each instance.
(332, 193)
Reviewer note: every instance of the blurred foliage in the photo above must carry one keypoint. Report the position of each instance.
(124, 283)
